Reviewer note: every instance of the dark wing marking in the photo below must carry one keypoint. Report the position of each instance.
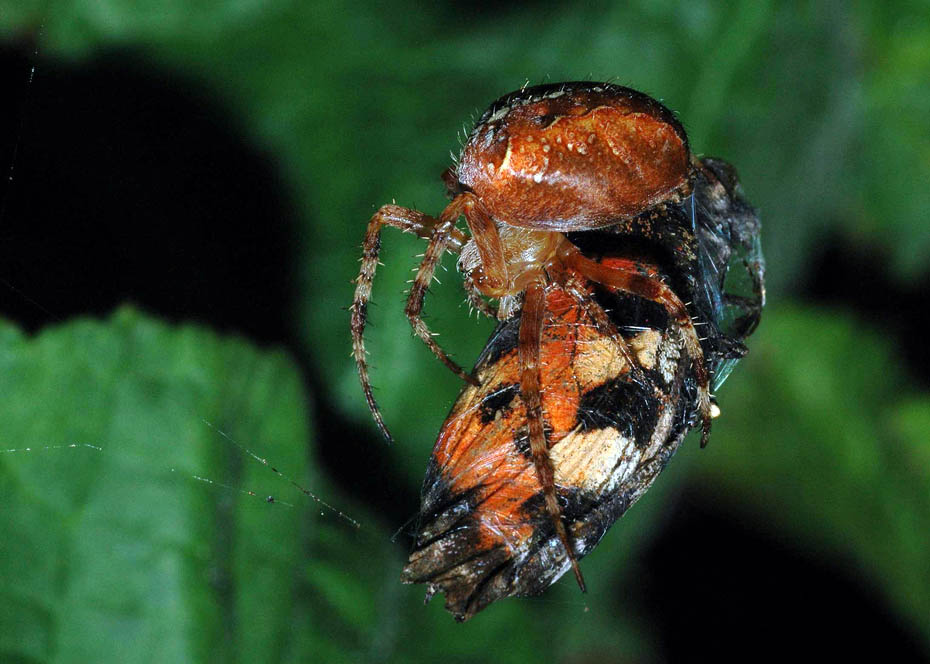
(483, 532)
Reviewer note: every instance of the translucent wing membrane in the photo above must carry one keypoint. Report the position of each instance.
(730, 271)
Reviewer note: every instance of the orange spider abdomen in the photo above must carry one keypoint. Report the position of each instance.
(575, 156)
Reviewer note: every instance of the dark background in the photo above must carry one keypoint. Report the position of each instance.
(218, 169)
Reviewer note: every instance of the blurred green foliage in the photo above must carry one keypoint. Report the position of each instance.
(121, 554)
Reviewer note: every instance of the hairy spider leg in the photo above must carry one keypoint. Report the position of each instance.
(530, 336)
(486, 237)
(477, 302)
(409, 221)
(655, 290)
(438, 243)
(596, 313)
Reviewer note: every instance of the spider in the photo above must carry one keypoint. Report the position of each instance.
(542, 162)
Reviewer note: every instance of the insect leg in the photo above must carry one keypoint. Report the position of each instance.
(410, 221)
(438, 243)
(531, 326)
(654, 289)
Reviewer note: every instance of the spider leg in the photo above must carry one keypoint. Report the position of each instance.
(654, 289)
(530, 335)
(606, 326)
(476, 301)
(438, 244)
(409, 221)
(487, 238)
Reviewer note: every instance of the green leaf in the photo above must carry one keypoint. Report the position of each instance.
(120, 551)
(895, 152)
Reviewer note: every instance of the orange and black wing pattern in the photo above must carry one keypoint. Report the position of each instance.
(484, 532)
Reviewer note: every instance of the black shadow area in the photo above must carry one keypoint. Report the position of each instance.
(716, 588)
(128, 186)
(859, 278)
